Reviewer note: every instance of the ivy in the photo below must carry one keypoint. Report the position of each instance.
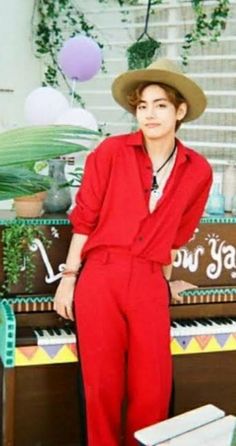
(208, 27)
(18, 258)
(54, 22)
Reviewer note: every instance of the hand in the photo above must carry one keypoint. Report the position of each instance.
(63, 300)
(177, 286)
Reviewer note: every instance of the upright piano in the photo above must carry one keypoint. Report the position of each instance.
(41, 400)
(204, 322)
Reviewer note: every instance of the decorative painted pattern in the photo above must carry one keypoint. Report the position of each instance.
(35, 221)
(7, 334)
(182, 345)
(196, 295)
(207, 295)
(64, 221)
(222, 219)
(185, 345)
(47, 354)
(30, 303)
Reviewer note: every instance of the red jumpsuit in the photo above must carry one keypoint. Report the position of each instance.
(121, 297)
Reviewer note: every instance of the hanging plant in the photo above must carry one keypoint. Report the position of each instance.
(52, 21)
(18, 257)
(141, 53)
(207, 27)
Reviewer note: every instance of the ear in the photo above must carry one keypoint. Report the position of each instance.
(181, 112)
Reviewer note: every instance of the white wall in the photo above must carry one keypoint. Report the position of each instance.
(19, 71)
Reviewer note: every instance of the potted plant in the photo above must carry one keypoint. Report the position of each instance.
(21, 148)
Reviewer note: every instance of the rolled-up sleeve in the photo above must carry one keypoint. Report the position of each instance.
(193, 213)
(85, 214)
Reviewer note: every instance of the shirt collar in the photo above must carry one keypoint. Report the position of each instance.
(136, 139)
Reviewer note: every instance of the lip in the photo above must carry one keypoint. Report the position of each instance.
(152, 126)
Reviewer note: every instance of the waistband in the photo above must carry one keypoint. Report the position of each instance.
(113, 253)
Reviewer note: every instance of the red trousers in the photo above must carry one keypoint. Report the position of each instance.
(122, 318)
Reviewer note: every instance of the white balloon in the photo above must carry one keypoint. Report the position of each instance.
(43, 106)
(80, 117)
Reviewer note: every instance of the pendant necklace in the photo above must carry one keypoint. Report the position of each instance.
(155, 185)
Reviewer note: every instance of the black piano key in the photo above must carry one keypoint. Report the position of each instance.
(220, 321)
(57, 331)
(202, 321)
(190, 323)
(174, 324)
(39, 331)
(181, 322)
(209, 322)
(50, 331)
(68, 330)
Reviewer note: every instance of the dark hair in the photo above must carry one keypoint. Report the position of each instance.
(173, 95)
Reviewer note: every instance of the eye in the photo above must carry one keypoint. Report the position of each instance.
(141, 107)
(161, 105)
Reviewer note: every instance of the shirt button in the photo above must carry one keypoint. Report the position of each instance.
(140, 238)
(146, 190)
(148, 167)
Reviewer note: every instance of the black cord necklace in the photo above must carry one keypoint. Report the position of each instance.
(155, 184)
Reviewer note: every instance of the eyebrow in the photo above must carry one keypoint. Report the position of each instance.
(155, 100)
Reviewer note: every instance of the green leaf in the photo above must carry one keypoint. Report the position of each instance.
(21, 181)
(30, 144)
(21, 148)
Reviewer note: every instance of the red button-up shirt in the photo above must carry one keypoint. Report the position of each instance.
(112, 201)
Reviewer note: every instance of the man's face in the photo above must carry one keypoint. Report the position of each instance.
(156, 115)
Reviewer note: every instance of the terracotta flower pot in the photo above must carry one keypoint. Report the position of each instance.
(30, 206)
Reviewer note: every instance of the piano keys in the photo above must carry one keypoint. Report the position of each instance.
(203, 326)
(45, 336)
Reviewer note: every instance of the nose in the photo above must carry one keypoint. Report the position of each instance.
(150, 112)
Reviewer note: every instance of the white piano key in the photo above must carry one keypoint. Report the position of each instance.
(48, 338)
(201, 329)
(68, 338)
(42, 336)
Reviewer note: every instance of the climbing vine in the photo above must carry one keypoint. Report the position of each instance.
(208, 27)
(54, 21)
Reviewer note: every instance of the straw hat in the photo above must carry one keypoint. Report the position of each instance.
(166, 72)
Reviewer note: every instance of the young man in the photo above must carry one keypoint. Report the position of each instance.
(141, 198)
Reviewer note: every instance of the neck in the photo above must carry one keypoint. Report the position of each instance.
(159, 148)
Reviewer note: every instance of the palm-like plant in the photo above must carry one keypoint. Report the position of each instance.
(21, 148)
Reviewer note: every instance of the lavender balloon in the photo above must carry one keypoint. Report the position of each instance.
(80, 58)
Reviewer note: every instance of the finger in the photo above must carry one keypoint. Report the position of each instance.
(177, 298)
(69, 312)
(61, 310)
(188, 284)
